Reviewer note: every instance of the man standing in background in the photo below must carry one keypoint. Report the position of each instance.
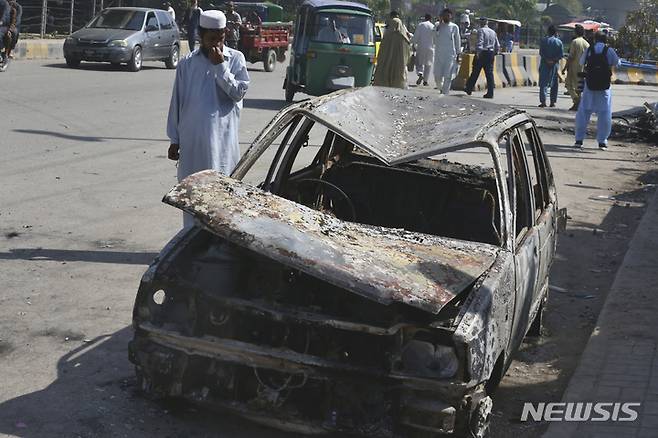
(487, 47)
(579, 45)
(206, 101)
(598, 60)
(233, 22)
(191, 21)
(447, 47)
(424, 40)
(551, 52)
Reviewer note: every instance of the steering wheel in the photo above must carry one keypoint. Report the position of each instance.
(334, 190)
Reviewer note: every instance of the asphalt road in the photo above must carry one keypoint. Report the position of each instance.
(83, 171)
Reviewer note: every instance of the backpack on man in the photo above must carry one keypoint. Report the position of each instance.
(598, 72)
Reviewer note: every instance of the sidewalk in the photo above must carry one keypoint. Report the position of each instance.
(620, 362)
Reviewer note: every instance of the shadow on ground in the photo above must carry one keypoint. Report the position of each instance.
(72, 255)
(103, 66)
(82, 138)
(95, 395)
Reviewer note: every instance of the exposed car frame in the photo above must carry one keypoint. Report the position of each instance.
(470, 303)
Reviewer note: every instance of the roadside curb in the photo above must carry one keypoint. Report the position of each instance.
(39, 49)
(620, 361)
(54, 49)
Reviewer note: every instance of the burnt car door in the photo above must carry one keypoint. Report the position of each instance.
(526, 238)
(544, 215)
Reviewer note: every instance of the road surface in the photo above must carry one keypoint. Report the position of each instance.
(83, 171)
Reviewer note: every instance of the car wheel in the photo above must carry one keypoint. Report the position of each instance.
(269, 60)
(290, 91)
(72, 62)
(172, 61)
(135, 63)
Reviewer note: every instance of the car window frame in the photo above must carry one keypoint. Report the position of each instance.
(167, 17)
(146, 21)
(519, 236)
(539, 207)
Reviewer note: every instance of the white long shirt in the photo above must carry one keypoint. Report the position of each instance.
(424, 35)
(447, 42)
(204, 113)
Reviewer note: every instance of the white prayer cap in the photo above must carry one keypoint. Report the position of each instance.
(213, 20)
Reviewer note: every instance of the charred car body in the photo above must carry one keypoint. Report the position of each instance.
(367, 284)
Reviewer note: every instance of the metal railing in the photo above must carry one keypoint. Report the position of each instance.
(60, 17)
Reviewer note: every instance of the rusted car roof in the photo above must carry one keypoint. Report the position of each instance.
(401, 125)
(383, 264)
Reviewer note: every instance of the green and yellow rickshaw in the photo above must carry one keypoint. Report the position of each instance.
(333, 48)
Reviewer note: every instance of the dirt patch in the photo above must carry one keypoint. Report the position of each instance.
(62, 334)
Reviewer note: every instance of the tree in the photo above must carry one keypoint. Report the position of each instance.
(638, 38)
(522, 10)
(573, 6)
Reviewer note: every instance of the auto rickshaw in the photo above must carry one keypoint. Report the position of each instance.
(333, 48)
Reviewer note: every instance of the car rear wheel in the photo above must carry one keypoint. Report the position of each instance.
(72, 62)
(269, 60)
(135, 63)
(172, 61)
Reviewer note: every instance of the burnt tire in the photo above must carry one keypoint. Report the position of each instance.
(135, 63)
(72, 62)
(269, 60)
(172, 61)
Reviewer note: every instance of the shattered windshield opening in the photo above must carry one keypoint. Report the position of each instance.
(451, 195)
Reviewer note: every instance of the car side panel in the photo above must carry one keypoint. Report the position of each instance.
(485, 319)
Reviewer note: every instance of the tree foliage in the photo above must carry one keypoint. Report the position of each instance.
(573, 6)
(638, 38)
(522, 10)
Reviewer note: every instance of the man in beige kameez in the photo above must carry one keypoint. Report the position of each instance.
(579, 45)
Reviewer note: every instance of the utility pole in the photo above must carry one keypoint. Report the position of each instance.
(71, 18)
(44, 17)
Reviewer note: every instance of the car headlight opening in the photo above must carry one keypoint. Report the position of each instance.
(425, 359)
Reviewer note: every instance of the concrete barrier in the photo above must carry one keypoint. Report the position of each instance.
(516, 74)
(499, 73)
(54, 49)
(465, 70)
(531, 64)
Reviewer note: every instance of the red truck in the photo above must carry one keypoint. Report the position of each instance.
(263, 36)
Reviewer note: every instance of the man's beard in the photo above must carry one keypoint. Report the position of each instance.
(205, 51)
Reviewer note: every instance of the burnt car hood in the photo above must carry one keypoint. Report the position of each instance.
(383, 264)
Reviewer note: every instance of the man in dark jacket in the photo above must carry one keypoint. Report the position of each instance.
(11, 37)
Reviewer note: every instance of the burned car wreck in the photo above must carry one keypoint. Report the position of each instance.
(369, 283)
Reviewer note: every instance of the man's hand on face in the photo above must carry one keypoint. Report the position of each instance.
(173, 153)
(216, 55)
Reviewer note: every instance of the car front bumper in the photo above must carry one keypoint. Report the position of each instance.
(99, 54)
(291, 391)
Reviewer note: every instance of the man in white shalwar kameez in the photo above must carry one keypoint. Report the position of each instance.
(424, 40)
(447, 48)
(599, 102)
(204, 113)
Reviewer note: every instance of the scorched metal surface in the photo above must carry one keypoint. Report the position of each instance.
(400, 125)
(382, 264)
